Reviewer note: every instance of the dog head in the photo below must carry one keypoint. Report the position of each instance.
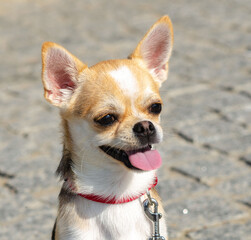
(111, 111)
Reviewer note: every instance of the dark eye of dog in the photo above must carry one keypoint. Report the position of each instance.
(155, 108)
(107, 120)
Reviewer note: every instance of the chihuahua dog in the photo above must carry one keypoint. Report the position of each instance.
(111, 121)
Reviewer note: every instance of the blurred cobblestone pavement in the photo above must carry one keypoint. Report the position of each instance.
(205, 181)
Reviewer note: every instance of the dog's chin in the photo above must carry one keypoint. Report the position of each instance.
(122, 155)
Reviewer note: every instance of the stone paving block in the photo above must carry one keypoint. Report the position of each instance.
(186, 114)
(238, 231)
(205, 211)
(237, 186)
(31, 120)
(213, 98)
(236, 82)
(27, 107)
(11, 153)
(10, 210)
(235, 145)
(41, 173)
(220, 75)
(217, 57)
(26, 220)
(176, 152)
(209, 131)
(178, 83)
(175, 187)
(212, 169)
(240, 115)
(21, 153)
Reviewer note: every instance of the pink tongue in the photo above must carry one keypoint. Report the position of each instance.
(147, 160)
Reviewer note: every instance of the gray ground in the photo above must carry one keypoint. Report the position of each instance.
(205, 181)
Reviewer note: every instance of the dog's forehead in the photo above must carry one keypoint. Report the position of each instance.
(125, 75)
(126, 80)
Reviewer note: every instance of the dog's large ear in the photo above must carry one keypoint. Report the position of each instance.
(59, 73)
(155, 49)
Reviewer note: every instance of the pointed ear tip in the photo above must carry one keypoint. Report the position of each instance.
(165, 18)
(47, 45)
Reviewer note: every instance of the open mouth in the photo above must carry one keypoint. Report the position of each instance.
(144, 159)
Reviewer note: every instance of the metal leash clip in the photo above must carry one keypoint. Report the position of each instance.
(153, 216)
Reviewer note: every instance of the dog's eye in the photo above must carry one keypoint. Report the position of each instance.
(155, 108)
(107, 120)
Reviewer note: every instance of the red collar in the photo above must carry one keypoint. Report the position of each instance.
(107, 200)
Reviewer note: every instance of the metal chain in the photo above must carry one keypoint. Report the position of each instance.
(153, 216)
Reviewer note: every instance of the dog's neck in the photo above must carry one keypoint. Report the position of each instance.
(116, 182)
(112, 182)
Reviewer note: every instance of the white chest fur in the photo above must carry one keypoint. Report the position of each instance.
(96, 221)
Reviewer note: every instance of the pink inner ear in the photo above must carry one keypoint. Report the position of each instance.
(58, 68)
(156, 47)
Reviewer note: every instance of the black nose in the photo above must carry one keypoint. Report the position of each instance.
(144, 129)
